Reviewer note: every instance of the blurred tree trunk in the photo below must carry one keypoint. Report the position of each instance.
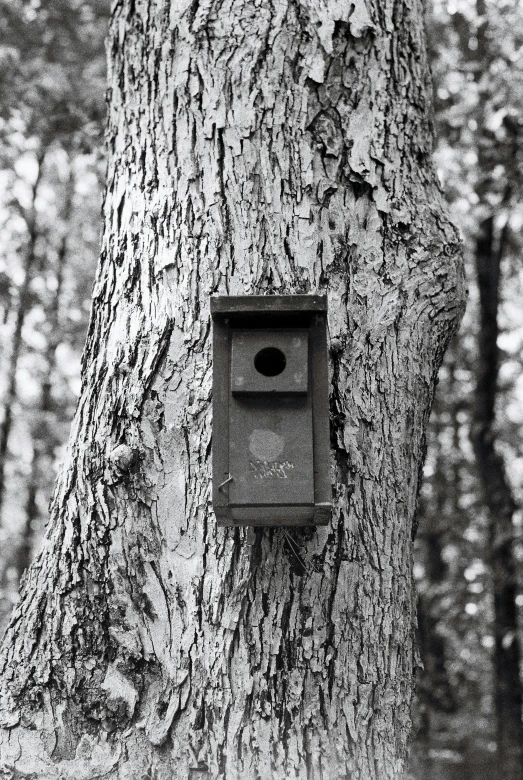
(501, 507)
(30, 217)
(23, 552)
(434, 689)
(43, 436)
(498, 498)
(252, 150)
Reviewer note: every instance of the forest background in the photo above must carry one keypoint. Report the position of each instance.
(469, 546)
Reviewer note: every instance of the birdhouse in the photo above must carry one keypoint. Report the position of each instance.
(271, 464)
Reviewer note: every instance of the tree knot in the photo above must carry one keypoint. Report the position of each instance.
(122, 458)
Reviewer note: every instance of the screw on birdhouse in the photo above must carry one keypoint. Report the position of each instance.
(225, 482)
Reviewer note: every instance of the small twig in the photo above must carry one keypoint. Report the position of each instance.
(295, 551)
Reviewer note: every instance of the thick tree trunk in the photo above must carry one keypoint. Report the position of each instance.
(252, 150)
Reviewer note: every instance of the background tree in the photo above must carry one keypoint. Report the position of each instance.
(477, 57)
(249, 151)
(51, 112)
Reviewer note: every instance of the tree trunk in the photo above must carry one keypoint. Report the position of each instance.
(489, 248)
(436, 514)
(23, 553)
(252, 150)
(501, 506)
(43, 435)
(16, 343)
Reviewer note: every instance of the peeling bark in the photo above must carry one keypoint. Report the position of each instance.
(252, 149)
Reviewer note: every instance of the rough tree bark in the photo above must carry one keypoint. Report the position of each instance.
(253, 148)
